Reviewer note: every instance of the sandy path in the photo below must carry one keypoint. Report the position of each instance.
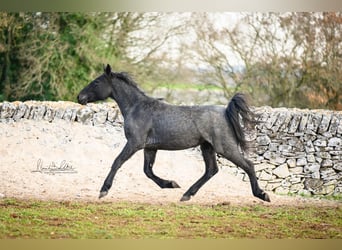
(69, 161)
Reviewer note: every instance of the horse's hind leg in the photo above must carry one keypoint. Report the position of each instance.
(149, 157)
(248, 167)
(211, 169)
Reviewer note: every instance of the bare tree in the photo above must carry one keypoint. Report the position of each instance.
(291, 59)
(318, 36)
(144, 40)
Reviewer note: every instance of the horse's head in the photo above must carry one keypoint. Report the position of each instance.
(98, 89)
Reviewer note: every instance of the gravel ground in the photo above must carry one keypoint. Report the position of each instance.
(69, 161)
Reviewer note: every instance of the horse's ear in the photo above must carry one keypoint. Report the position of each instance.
(108, 69)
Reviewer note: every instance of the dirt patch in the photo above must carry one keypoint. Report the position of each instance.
(69, 161)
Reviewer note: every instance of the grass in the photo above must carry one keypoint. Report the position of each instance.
(78, 220)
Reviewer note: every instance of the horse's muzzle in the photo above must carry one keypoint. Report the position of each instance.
(82, 99)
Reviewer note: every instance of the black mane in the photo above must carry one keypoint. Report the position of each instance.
(127, 78)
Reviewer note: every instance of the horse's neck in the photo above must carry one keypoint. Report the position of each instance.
(129, 98)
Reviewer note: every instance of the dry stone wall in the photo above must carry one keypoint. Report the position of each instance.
(296, 151)
(299, 151)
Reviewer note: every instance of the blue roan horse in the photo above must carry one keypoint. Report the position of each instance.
(151, 124)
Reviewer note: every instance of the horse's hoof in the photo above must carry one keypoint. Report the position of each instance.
(185, 198)
(174, 184)
(102, 194)
(266, 197)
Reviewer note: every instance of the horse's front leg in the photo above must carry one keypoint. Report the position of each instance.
(125, 154)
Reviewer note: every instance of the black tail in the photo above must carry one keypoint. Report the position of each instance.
(239, 117)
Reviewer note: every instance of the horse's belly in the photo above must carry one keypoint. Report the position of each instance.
(176, 141)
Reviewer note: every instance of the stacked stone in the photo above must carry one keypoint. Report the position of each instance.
(299, 151)
(91, 114)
